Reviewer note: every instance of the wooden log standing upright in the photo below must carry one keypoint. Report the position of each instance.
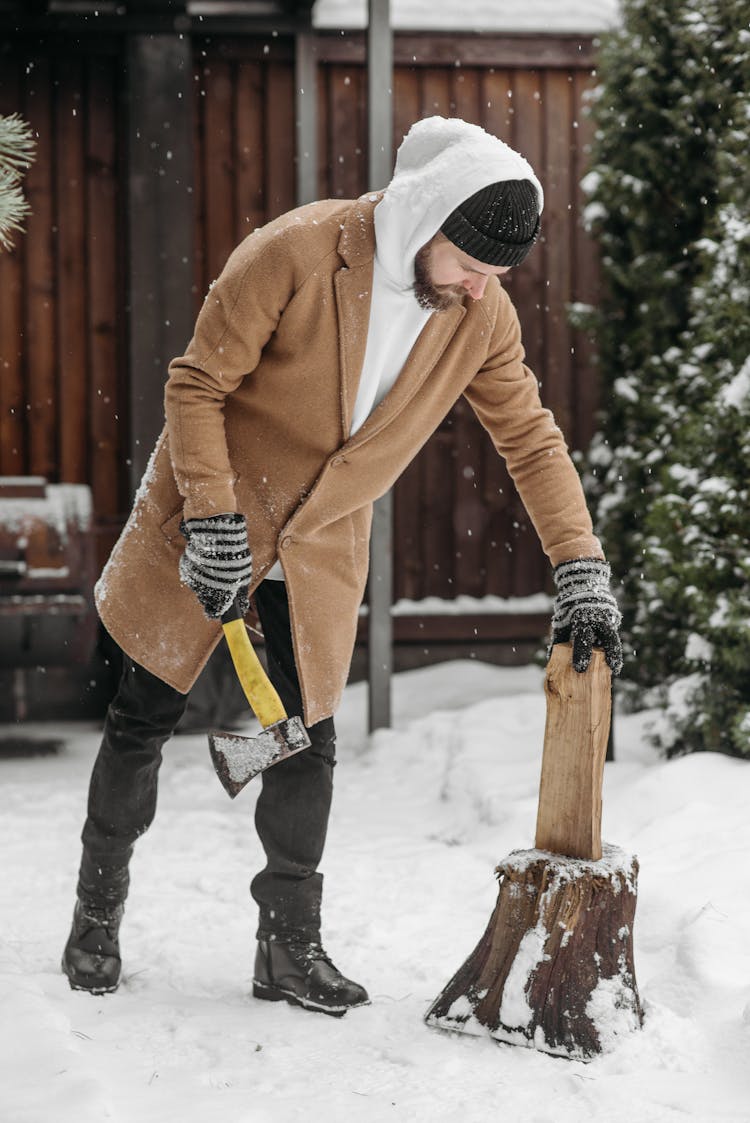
(554, 969)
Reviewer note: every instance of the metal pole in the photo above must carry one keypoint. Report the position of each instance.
(379, 94)
(306, 95)
(160, 227)
(380, 133)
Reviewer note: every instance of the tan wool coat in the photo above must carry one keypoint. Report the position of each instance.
(258, 413)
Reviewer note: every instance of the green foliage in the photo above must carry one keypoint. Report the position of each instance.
(670, 203)
(697, 551)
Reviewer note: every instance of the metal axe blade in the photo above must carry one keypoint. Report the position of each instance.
(237, 760)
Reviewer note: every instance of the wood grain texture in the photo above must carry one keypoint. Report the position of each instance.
(554, 968)
(569, 819)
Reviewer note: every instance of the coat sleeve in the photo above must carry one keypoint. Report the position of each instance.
(238, 317)
(505, 397)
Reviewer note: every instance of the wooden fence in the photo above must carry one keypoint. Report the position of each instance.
(459, 525)
(62, 339)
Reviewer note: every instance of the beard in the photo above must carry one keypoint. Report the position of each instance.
(433, 298)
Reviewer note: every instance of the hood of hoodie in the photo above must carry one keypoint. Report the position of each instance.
(440, 163)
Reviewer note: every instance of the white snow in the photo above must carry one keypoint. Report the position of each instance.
(737, 392)
(584, 16)
(515, 1011)
(62, 508)
(423, 814)
(464, 605)
(698, 649)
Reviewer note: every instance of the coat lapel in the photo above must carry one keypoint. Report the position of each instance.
(353, 293)
(353, 286)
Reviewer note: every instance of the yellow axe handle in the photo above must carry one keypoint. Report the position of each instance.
(260, 693)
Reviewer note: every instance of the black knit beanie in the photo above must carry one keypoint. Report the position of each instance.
(498, 225)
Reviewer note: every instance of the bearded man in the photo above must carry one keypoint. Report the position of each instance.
(333, 344)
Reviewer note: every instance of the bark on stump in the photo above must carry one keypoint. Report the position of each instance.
(554, 970)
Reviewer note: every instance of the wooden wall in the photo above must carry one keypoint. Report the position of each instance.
(460, 527)
(245, 144)
(62, 338)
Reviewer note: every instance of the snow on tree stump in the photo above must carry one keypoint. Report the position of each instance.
(554, 970)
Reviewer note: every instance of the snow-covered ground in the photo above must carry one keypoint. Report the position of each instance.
(423, 814)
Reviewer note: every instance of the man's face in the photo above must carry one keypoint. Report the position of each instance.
(444, 275)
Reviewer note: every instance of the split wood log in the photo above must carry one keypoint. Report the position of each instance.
(554, 970)
(579, 709)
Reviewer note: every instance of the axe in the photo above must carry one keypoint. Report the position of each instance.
(238, 759)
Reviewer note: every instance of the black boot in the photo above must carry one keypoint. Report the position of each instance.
(303, 975)
(91, 959)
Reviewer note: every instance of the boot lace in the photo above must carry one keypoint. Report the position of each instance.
(91, 917)
(311, 952)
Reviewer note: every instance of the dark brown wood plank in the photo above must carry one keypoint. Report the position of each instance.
(408, 565)
(281, 187)
(496, 500)
(244, 48)
(465, 94)
(556, 370)
(107, 425)
(405, 103)
(586, 272)
(330, 142)
(485, 50)
(456, 628)
(495, 87)
(324, 128)
(250, 153)
(469, 517)
(435, 93)
(347, 152)
(437, 537)
(201, 76)
(219, 164)
(527, 284)
(12, 442)
(40, 294)
(160, 225)
(528, 289)
(70, 199)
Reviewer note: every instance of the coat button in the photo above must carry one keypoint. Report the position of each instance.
(286, 542)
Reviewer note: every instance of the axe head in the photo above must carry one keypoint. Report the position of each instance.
(238, 759)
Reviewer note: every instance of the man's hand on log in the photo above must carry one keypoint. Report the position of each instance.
(586, 612)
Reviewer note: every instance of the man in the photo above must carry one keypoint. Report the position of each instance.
(332, 345)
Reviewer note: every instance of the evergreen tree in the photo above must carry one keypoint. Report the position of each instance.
(659, 119)
(697, 553)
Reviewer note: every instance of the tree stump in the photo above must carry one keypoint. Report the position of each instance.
(554, 969)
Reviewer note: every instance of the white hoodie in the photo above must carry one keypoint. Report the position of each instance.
(440, 163)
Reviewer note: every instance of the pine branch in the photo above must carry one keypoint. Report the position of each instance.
(17, 144)
(13, 208)
(16, 154)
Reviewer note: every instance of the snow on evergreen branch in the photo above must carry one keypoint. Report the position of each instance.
(16, 155)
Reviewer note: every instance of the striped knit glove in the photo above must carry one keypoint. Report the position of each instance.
(217, 564)
(586, 612)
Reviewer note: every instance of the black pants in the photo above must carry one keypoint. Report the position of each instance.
(292, 809)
